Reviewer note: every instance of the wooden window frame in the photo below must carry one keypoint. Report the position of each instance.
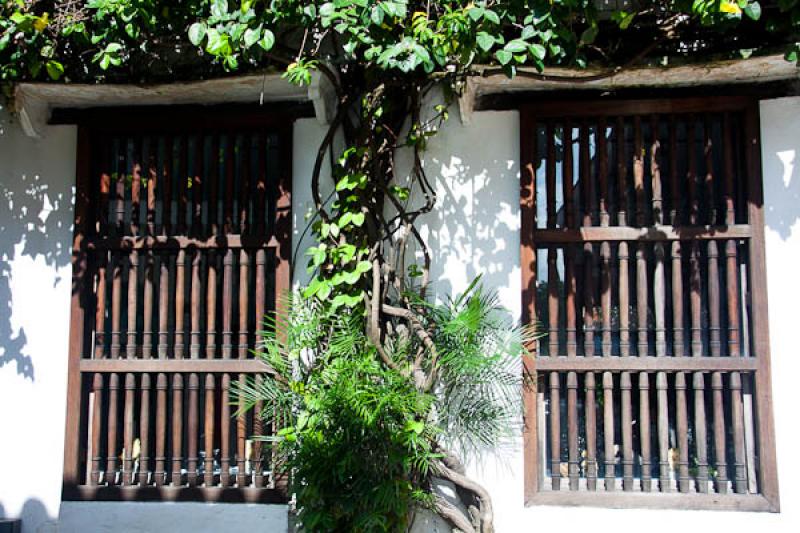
(95, 122)
(534, 493)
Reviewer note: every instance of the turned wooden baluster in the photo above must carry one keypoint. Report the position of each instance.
(97, 426)
(163, 306)
(180, 293)
(244, 292)
(100, 306)
(208, 467)
(194, 346)
(227, 305)
(570, 279)
(211, 305)
(608, 431)
(111, 443)
(192, 434)
(133, 286)
(258, 426)
(225, 432)
(147, 327)
(662, 391)
(144, 432)
(116, 303)
(591, 432)
(160, 475)
(177, 430)
(733, 344)
(641, 300)
(627, 432)
(644, 430)
(553, 298)
(682, 423)
(127, 451)
(555, 430)
(700, 433)
(573, 466)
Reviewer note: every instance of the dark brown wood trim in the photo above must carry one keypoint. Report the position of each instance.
(768, 471)
(78, 309)
(528, 261)
(181, 242)
(597, 108)
(648, 234)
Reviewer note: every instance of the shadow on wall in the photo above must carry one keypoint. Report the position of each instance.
(34, 517)
(32, 197)
(782, 186)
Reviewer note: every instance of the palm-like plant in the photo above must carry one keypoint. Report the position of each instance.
(364, 438)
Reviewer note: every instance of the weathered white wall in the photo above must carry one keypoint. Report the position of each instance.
(36, 192)
(474, 230)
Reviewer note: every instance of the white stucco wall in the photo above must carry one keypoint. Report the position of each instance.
(36, 196)
(474, 230)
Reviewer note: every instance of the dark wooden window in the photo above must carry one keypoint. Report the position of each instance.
(643, 260)
(182, 236)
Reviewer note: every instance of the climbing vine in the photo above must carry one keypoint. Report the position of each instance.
(394, 66)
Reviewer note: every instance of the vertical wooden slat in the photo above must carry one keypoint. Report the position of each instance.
(642, 307)
(241, 438)
(227, 202)
(100, 306)
(111, 442)
(720, 462)
(225, 432)
(198, 185)
(177, 430)
(675, 214)
(213, 184)
(644, 430)
(573, 465)
(677, 300)
(192, 434)
(127, 451)
(682, 426)
(116, 303)
(159, 475)
(166, 187)
(532, 471)
(700, 432)
(147, 327)
(227, 305)
(608, 431)
(133, 289)
(555, 430)
(208, 467)
(550, 176)
(211, 305)
(194, 346)
(154, 188)
(602, 170)
(627, 432)
(638, 170)
(662, 391)
(605, 295)
(163, 306)
(136, 186)
(591, 432)
(180, 298)
(144, 431)
(244, 292)
(553, 298)
(622, 170)
(624, 301)
(97, 424)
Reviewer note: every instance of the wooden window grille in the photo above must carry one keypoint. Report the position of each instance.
(643, 261)
(182, 237)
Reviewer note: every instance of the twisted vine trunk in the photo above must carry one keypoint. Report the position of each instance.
(376, 118)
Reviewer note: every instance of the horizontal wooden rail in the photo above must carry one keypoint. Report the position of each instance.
(635, 364)
(173, 365)
(546, 237)
(180, 242)
(628, 108)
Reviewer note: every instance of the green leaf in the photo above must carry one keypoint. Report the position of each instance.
(376, 15)
(515, 46)
(358, 219)
(590, 34)
(485, 41)
(538, 51)
(491, 16)
(197, 33)
(267, 40)
(54, 69)
(753, 10)
(251, 37)
(503, 56)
